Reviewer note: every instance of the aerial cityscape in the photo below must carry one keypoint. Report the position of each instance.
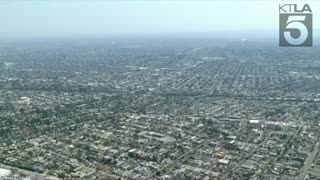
(169, 108)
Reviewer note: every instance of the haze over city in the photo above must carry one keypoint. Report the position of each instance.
(71, 18)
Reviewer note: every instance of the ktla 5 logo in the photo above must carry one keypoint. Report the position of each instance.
(295, 25)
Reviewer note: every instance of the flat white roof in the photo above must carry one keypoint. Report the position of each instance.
(4, 172)
(254, 121)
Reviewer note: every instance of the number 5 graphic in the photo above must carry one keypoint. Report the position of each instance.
(296, 23)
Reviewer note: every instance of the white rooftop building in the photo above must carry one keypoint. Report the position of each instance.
(4, 173)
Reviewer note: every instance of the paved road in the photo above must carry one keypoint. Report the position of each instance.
(234, 169)
(309, 163)
(272, 162)
(186, 154)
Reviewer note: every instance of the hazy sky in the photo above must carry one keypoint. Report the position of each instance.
(71, 17)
